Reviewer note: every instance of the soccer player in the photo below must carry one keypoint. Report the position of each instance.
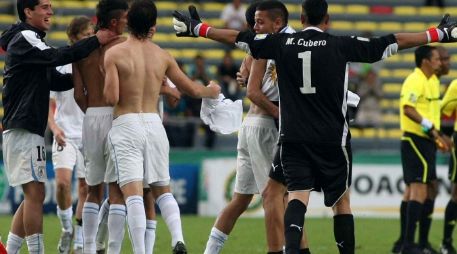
(138, 142)
(448, 107)
(420, 122)
(312, 74)
(89, 82)
(65, 121)
(29, 76)
(257, 140)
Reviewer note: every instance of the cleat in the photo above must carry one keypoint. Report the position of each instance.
(428, 249)
(398, 245)
(64, 245)
(78, 250)
(447, 249)
(180, 248)
(101, 251)
(411, 249)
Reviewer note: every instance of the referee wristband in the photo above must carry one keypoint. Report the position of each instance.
(427, 125)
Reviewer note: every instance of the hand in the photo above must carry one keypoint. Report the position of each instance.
(105, 36)
(59, 136)
(215, 89)
(448, 28)
(241, 80)
(443, 143)
(186, 26)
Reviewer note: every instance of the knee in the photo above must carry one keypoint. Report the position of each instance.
(63, 186)
(432, 191)
(343, 206)
(272, 197)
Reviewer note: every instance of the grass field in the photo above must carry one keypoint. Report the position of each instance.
(373, 236)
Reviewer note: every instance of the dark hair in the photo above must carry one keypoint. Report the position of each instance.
(108, 10)
(250, 14)
(314, 11)
(141, 17)
(423, 52)
(275, 9)
(77, 25)
(23, 4)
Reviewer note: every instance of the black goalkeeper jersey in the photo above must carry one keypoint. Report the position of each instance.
(312, 71)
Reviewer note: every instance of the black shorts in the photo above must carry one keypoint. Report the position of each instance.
(317, 167)
(453, 161)
(418, 158)
(276, 170)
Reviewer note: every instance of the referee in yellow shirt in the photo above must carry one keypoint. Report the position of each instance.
(420, 122)
(448, 107)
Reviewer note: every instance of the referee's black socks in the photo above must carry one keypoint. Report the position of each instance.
(294, 219)
(426, 221)
(413, 214)
(450, 217)
(343, 229)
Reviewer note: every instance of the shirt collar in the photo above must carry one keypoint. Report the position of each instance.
(313, 28)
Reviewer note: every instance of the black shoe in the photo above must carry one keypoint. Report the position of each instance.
(411, 249)
(398, 245)
(447, 249)
(180, 248)
(427, 249)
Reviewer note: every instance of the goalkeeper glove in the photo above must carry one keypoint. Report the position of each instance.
(445, 32)
(192, 26)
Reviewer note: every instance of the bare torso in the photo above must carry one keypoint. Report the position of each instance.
(92, 74)
(141, 72)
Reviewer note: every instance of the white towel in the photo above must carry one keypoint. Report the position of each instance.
(222, 115)
(353, 99)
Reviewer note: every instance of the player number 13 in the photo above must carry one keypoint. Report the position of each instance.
(307, 88)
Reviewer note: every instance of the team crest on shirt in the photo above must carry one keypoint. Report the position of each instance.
(260, 37)
(273, 74)
(413, 98)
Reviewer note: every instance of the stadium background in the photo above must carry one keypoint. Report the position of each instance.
(203, 178)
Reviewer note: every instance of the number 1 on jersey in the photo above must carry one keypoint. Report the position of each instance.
(307, 88)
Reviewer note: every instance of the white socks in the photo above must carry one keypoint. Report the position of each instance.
(90, 218)
(150, 236)
(35, 243)
(102, 224)
(170, 212)
(13, 243)
(65, 218)
(78, 237)
(215, 242)
(116, 228)
(136, 220)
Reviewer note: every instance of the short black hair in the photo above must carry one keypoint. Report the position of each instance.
(108, 10)
(250, 14)
(275, 9)
(423, 52)
(141, 17)
(21, 5)
(315, 11)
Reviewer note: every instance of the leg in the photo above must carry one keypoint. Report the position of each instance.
(78, 233)
(273, 197)
(33, 215)
(17, 233)
(136, 216)
(425, 221)
(450, 218)
(116, 219)
(170, 212)
(418, 194)
(90, 217)
(404, 204)
(343, 225)
(64, 208)
(294, 220)
(151, 223)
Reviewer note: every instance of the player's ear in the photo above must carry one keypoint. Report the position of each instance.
(302, 19)
(326, 19)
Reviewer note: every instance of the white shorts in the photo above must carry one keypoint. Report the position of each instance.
(96, 125)
(68, 157)
(139, 148)
(24, 156)
(257, 142)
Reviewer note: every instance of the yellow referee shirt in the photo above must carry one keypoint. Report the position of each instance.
(449, 103)
(424, 95)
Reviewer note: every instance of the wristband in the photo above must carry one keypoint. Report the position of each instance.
(427, 125)
(434, 35)
(203, 29)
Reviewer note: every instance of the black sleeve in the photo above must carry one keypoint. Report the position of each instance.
(59, 82)
(264, 46)
(358, 49)
(31, 50)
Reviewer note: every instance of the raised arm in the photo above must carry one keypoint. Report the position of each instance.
(79, 92)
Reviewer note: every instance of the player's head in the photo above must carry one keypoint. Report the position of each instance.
(445, 61)
(37, 13)
(427, 58)
(142, 18)
(250, 15)
(112, 15)
(79, 28)
(270, 17)
(315, 13)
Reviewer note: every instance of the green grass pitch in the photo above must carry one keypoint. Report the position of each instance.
(373, 236)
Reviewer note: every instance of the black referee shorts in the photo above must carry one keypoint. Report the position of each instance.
(453, 161)
(276, 170)
(418, 158)
(317, 167)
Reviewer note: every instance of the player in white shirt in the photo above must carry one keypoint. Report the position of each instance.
(65, 121)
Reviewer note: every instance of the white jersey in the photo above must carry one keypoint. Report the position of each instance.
(270, 79)
(68, 115)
